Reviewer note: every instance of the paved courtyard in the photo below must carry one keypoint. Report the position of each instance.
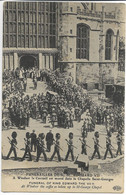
(39, 127)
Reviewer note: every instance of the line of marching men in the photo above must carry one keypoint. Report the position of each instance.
(39, 143)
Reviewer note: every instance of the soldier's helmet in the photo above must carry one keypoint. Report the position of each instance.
(14, 134)
(71, 135)
(96, 134)
(27, 135)
(57, 135)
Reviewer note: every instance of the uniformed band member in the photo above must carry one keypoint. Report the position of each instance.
(41, 147)
(108, 146)
(27, 147)
(49, 140)
(96, 145)
(119, 143)
(13, 147)
(33, 141)
(70, 147)
(84, 148)
(57, 148)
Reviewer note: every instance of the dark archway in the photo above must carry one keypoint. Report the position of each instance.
(28, 62)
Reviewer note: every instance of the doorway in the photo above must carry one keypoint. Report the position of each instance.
(28, 62)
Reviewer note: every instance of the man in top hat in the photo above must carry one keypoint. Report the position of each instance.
(49, 140)
(33, 141)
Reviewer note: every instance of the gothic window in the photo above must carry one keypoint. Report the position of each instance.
(27, 6)
(26, 28)
(19, 28)
(39, 17)
(42, 18)
(22, 28)
(10, 16)
(6, 27)
(11, 41)
(6, 41)
(34, 28)
(14, 28)
(14, 41)
(6, 16)
(19, 16)
(82, 50)
(26, 16)
(22, 16)
(21, 20)
(108, 45)
(42, 29)
(26, 41)
(42, 6)
(92, 6)
(22, 41)
(14, 16)
(34, 41)
(34, 17)
(117, 45)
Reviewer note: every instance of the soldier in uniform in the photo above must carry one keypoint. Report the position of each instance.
(119, 143)
(70, 147)
(96, 145)
(33, 141)
(35, 82)
(13, 143)
(108, 146)
(49, 140)
(27, 147)
(24, 119)
(41, 147)
(44, 115)
(57, 148)
(83, 142)
(25, 84)
(67, 119)
(28, 116)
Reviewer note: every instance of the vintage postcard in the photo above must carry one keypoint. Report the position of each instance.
(63, 87)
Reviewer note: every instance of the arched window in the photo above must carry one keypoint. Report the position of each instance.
(82, 50)
(108, 45)
(117, 45)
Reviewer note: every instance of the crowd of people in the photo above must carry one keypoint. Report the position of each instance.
(62, 105)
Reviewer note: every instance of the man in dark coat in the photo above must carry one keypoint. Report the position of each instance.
(33, 141)
(49, 140)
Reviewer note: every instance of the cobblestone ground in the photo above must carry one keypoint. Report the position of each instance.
(40, 127)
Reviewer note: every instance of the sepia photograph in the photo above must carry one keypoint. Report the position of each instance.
(63, 92)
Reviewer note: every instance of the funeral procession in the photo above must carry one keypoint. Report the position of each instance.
(63, 87)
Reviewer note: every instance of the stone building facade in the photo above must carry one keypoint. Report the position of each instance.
(80, 38)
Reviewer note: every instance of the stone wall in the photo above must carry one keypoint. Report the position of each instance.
(87, 73)
(107, 73)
